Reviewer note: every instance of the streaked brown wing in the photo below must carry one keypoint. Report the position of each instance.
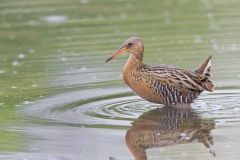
(184, 81)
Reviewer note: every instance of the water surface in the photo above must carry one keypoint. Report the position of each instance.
(59, 100)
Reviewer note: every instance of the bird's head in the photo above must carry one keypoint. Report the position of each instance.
(132, 45)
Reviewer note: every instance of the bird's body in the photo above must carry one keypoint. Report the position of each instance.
(161, 83)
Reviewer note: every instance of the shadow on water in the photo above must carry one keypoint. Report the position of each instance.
(168, 126)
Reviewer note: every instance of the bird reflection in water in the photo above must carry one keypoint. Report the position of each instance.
(168, 126)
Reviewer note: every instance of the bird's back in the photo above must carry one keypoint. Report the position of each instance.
(177, 86)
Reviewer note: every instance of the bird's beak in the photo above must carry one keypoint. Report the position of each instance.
(121, 50)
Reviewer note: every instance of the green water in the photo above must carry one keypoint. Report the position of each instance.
(58, 99)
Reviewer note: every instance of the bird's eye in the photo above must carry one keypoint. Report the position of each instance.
(129, 44)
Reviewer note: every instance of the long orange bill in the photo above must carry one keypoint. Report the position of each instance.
(118, 52)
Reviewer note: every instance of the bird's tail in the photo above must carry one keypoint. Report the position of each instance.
(205, 68)
(205, 71)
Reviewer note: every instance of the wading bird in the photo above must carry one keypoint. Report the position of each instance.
(162, 84)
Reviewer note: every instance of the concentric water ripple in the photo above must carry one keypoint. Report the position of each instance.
(118, 107)
(222, 105)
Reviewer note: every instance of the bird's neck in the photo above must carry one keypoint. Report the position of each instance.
(132, 70)
(134, 63)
